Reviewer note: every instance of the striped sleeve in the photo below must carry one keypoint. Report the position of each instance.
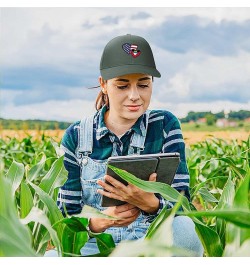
(70, 194)
(174, 143)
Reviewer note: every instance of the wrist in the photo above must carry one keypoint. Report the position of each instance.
(98, 225)
(153, 205)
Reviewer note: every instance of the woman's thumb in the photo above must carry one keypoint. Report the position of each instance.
(152, 177)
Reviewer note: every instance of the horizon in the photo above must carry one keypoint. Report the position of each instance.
(49, 62)
(64, 121)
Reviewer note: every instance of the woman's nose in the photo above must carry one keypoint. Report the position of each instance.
(134, 94)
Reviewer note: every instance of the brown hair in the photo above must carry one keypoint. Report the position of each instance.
(101, 100)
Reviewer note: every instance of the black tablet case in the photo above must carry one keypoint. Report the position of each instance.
(165, 167)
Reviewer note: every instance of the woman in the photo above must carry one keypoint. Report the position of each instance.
(123, 125)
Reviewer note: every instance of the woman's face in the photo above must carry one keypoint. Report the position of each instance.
(129, 95)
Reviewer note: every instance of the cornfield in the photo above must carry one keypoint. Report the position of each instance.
(31, 172)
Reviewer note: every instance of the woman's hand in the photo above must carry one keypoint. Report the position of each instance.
(131, 194)
(127, 213)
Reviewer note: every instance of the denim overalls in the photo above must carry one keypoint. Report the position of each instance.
(92, 170)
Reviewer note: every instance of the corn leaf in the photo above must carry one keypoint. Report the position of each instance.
(165, 190)
(38, 216)
(55, 178)
(210, 240)
(26, 200)
(15, 175)
(35, 171)
(206, 195)
(239, 217)
(15, 238)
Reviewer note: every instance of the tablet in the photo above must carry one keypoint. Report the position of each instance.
(142, 166)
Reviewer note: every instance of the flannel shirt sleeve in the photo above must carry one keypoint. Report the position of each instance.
(70, 194)
(173, 142)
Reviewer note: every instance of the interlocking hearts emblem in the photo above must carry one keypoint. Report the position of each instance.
(131, 49)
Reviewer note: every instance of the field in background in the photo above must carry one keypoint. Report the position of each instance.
(190, 137)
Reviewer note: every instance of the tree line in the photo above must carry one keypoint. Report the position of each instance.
(232, 115)
(10, 124)
(61, 125)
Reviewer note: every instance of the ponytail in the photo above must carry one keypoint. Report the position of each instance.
(101, 100)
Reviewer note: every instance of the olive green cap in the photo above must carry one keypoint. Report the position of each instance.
(127, 54)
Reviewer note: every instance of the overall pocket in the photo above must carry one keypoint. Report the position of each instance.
(91, 172)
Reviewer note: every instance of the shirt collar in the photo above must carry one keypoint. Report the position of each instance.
(101, 129)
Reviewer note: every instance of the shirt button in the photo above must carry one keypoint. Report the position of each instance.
(84, 161)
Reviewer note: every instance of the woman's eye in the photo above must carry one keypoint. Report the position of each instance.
(143, 86)
(122, 87)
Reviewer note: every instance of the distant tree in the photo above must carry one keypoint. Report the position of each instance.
(210, 119)
(240, 115)
(220, 115)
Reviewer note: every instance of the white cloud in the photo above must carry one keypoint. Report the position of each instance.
(64, 38)
(218, 77)
(70, 110)
(55, 35)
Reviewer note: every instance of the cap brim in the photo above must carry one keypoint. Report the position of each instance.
(113, 72)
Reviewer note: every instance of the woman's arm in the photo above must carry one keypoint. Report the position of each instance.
(70, 194)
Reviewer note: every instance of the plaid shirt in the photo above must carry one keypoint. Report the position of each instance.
(163, 135)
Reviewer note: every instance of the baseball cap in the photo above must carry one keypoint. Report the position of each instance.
(127, 54)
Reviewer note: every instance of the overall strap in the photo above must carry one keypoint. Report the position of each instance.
(138, 140)
(85, 140)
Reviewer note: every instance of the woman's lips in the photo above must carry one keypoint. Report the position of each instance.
(133, 107)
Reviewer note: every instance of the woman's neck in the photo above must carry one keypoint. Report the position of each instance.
(118, 127)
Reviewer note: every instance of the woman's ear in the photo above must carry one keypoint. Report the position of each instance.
(103, 85)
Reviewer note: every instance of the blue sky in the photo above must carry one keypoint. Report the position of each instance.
(51, 55)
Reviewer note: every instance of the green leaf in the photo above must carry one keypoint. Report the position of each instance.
(206, 195)
(57, 148)
(26, 200)
(210, 240)
(166, 191)
(239, 171)
(90, 212)
(165, 219)
(35, 171)
(239, 217)
(241, 198)
(74, 235)
(157, 222)
(54, 213)
(72, 242)
(235, 235)
(38, 216)
(104, 242)
(226, 201)
(15, 238)
(55, 178)
(76, 224)
(15, 175)
(227, 196)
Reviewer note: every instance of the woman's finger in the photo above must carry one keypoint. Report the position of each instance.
(115, 182)
(153, 177)
(109, 194)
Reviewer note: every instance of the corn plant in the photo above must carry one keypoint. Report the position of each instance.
(29, 193)
(31, 173)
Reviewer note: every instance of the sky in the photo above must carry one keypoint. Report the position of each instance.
(51, 55)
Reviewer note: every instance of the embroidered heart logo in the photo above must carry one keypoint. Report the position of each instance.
(131, 49)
